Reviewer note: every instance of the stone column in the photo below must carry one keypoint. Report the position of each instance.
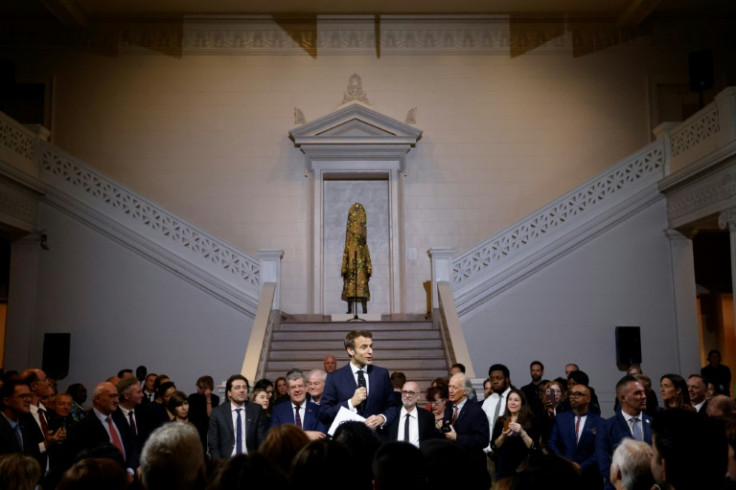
(727, 219)
(441, 270)
(686, 309)
(271, 272)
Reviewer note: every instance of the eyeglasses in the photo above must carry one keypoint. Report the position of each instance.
(438, 402)
(409, 393)
(576, 394)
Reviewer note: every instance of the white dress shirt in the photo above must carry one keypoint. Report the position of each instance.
(235, 428)
(413, 426)
(489, 407)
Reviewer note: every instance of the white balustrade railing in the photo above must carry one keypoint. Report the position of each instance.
(16, 138)
(631, 174)
(175, 243)
(695, 131)
(114, 200)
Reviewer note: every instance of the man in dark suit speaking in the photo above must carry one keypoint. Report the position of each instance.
(237, 426)
(359, 386)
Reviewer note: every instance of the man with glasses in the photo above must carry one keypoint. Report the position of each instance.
(573, 436)
(41, 415)
(15, 406)
(413, 424)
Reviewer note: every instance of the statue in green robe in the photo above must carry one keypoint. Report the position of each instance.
(356, 260)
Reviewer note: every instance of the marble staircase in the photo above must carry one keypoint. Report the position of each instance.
(407, 343)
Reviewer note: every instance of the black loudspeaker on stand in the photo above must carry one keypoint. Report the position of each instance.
(55, 361)
(628, 346)
(700, 68)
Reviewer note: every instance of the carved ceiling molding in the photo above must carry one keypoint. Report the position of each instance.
(400, 35)
(711, 194)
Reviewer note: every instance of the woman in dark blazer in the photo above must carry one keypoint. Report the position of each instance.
(514, 436)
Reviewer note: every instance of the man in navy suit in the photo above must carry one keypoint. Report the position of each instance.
(359, 386)
(286, 413)
(223, 439)
(466, 423)
(631, 421)
(573, 436)
(15, 420)
(413, 424)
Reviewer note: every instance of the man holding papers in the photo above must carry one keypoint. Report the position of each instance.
(359, 387)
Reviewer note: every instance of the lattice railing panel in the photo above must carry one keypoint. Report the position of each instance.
(572, 206)
(15, 139)
(692, 133)
(108, 195)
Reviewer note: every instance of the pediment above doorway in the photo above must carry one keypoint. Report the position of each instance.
(355, 154)
(355, 132)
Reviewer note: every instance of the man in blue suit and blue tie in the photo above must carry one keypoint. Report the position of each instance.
(631, 422)
(573, 436)
(359, 386)
(300, 412)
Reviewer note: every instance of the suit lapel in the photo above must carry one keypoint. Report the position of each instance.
(309, 417)
(420, 422)
(647, 429)
(9, 435)
(230, 422)
(586, 430)
(623, 425)
(348, 372)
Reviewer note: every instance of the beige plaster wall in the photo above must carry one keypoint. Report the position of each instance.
(206, 136)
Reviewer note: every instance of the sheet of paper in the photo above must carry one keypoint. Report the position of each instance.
(344, 415)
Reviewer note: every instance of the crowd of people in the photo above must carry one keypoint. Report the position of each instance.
(361, 427)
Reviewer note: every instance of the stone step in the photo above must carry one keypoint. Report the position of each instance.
(288, 354)
(392, 365)
(423, 377)
(347, 327)
(338, 335)
(337, 346)
(410, 345)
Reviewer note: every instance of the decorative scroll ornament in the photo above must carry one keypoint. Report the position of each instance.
(411, 116)
(299, 117)
(355, 91)
(727, 219)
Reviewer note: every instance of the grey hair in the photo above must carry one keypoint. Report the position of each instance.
(468, 387)
(632, 459)
(173, 458)
(321, 372)
(296, 375)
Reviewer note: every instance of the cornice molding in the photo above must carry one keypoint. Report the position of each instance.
(360, 34)
(711, 193)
